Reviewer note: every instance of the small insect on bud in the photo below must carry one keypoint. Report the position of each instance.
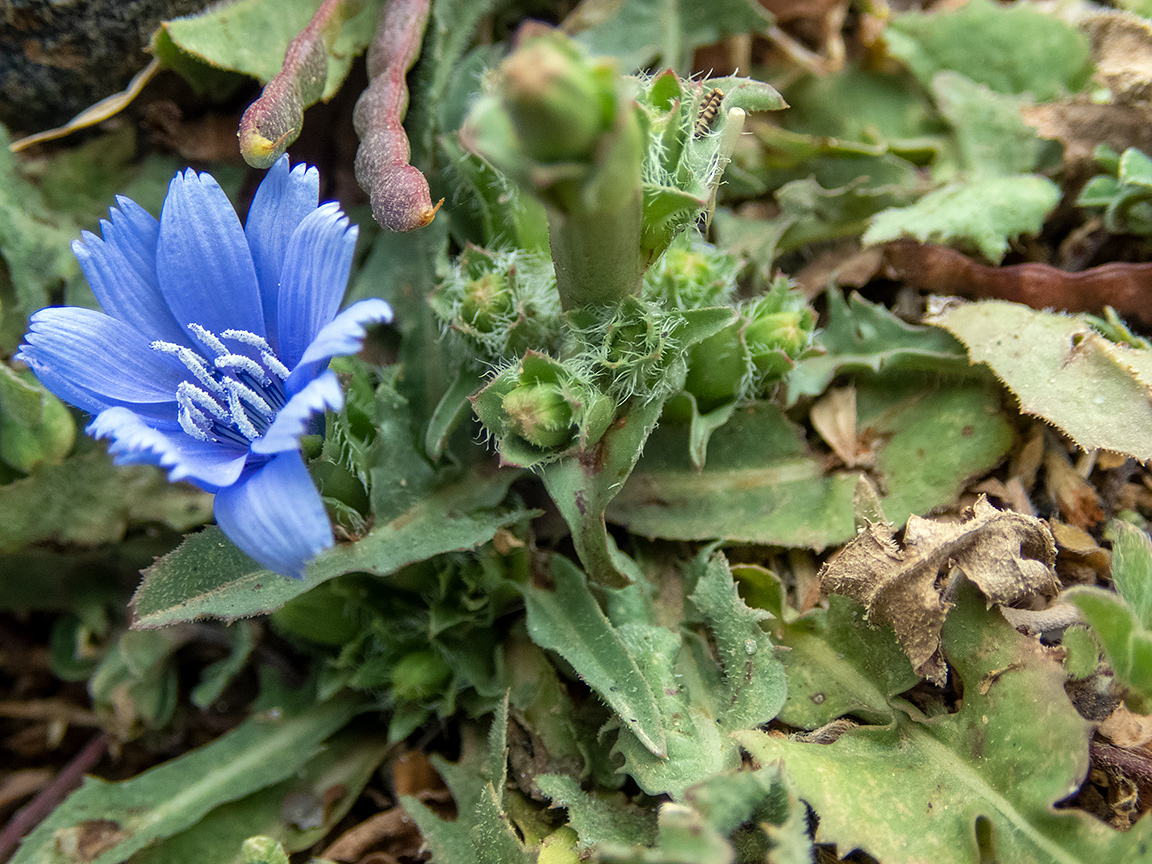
(709, 108)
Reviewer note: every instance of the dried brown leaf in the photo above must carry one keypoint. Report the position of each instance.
(834, 418)
(1008, 555)
(1122, 49)
(1125, 729)
(1077, 499)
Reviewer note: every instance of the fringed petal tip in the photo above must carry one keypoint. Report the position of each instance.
(319, 395)
(342, 336)
(345, 333)
(210, 466)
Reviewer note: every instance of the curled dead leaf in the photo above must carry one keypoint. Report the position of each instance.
(1009, 556)
(1125, 729)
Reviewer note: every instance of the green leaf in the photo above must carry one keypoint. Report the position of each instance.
(985, 212)
(250, 36)
(696, 747)
(343, 765)
(1010, 49)
(754, 688)
(599, 817)
(1132, 569)
(921, 785)
(85, 501)
(1126, 197)
(839, 665)
(763, 485)
(702, 702)
(35, 426)
(862, 336)
(564, 617)
(733, 816)
(1127, 644)
(172, 797)
(208, 577)
(991, 135)
(475, 777)
(216, 677)
(1062, 371)
(34, 247)
(642, 30)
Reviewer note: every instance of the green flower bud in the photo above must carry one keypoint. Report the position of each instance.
(560, 847)
(539, 408)
(692, 275)
(500, 304)
(540, 414)
(558, 102)
(262, 850)
(420, 676)
(485, 300)
(774, 339)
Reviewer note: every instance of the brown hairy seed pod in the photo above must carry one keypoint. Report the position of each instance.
(275, 120)
(709, 107)
(399, 193)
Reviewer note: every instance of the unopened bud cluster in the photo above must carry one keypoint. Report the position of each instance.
(539, 408)
(744, 360)
(500, 305)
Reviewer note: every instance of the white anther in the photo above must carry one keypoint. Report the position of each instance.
(248, 338)
(208, 338)
(240, 416)
(188, 422)
(192, 360)
(273, 364)
(193, 395)
(254, 399)
(244, 364)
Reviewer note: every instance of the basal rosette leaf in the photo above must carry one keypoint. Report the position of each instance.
(1062, 371)
(922, 787)
(1123, 619)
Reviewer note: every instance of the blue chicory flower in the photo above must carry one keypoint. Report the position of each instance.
(211, 356)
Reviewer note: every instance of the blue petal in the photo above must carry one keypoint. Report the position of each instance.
(202, 259)
(137, 441)
(121, 268)
(99, 355)
(281, 203)
(275, 515)
(342, 336)
(314, 278)
(292, 422)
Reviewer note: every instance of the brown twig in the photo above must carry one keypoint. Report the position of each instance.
(31, 815)
(1125, 287)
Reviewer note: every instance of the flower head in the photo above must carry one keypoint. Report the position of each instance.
(211, 356)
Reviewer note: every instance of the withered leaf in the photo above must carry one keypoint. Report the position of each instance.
(1008, 555)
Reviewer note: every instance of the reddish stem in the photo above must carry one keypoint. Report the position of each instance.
(31, 815)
